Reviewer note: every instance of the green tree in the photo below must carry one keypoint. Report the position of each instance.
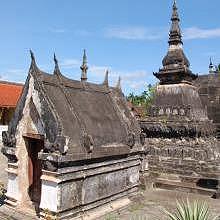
(144, 99)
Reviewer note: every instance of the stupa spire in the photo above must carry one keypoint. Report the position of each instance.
(175, 36)
(84, 67)
(175, 64)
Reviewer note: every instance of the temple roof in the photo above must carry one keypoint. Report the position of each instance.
(76, 114)
(9, 93)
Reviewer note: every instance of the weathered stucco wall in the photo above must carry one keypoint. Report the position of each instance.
(3, 159)
(209, 91)
(77, 189)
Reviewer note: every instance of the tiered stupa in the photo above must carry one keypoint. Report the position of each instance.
(180, 139)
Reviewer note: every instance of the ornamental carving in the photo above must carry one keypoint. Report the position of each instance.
(58, 146)
(131, 139)
(88, 142)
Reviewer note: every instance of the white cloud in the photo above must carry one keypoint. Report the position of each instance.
(144, 33)
(137, 74)
(99, 70)
(70, 63)
(138, 85)
(134, 33)
(199, 33)
(137, 79)
(131, 80)
(17, 75)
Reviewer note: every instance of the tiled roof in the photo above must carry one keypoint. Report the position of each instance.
(9, 93)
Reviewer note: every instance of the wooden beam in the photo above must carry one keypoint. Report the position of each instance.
(33, 136)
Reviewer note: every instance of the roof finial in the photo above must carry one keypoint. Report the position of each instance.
(84, 67)
(105, 82)
(56, 69)
(118, 85)
(175, 12)
(55, 59)
(33, 62)
(211, 66)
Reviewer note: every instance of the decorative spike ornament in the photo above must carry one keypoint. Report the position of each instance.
(56, 68)
(118, 85)
(33, 62)
(212, 68)
(105, 82)
(84, 67)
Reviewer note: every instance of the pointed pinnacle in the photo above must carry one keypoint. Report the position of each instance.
(84, 57)
(33, 62)
(84, 67)
(105, 82)
(55, 59)
(211, 61)
(56, 68)
(175, 15)
(175, 36)
(118, 85)
(32, 55)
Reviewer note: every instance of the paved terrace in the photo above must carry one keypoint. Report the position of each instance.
(149, 206)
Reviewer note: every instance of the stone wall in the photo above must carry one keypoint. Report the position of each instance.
(182, 162)
(209, 91)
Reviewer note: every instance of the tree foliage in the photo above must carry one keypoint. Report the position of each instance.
(144, 99)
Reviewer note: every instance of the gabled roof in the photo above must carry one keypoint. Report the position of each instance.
(76, 117)
(9, 93)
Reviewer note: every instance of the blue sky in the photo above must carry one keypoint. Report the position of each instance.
(128, 37)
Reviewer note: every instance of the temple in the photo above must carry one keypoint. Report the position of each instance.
(76, 150)
(179, 136)
(71, 146)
